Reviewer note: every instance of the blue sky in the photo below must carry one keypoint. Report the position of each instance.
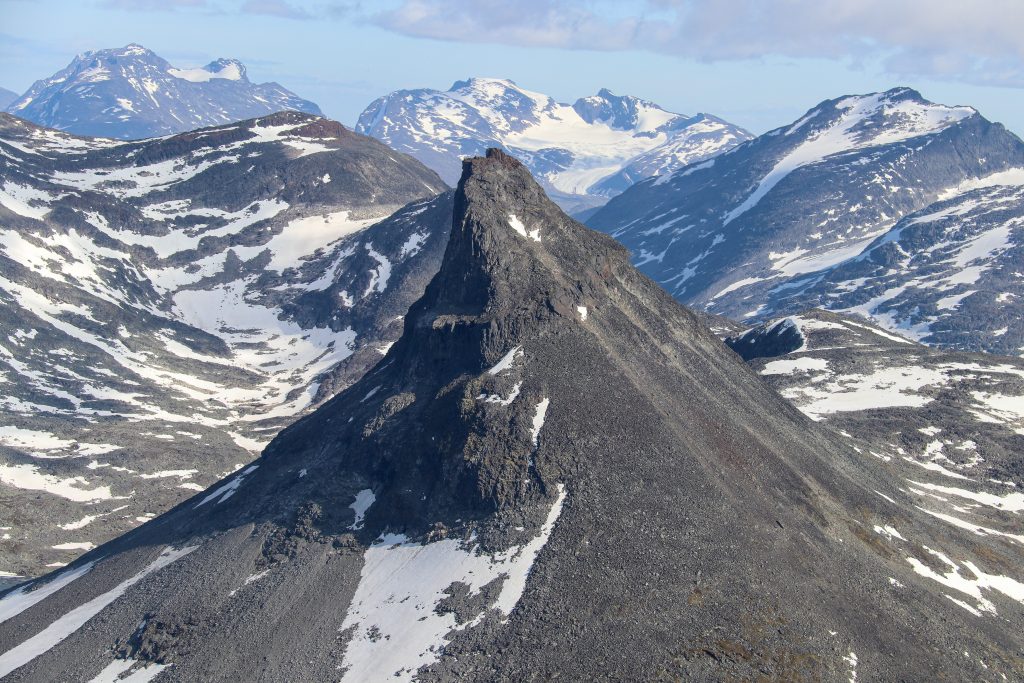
(758, 63)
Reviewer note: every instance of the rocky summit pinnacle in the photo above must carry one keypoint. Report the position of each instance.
(556, 472)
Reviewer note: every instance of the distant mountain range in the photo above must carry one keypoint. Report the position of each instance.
(168, 305)
(582, 153)
(130, 93)
(885, 204)
(6, 97)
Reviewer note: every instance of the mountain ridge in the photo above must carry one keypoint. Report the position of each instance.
(132, 93)
(943, 275)
(735, 233)
(7, 97)
(583, 153)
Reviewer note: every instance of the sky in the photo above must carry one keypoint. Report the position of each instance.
(756, 63)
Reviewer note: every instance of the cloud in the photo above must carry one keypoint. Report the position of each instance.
(976, 41)
(532, 23)
(275, 8)
(154, 5)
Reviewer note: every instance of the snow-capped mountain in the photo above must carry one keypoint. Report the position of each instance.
(130, 93)
(520, 491)
(958, 415)
(7, 97)
(699, 137)
(948, 275)
(169, 305)
(581, 153)
(735, 233)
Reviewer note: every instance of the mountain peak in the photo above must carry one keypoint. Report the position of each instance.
(580, 153)
(135, 49)
(815, 192)
(498, 195)
(493, 155)
(905, 93)
(131, 92)
(132, 52)
(476, 82)
(622, 112)
(230, 69)
(129, 50)
(904, 102)
(512, 251)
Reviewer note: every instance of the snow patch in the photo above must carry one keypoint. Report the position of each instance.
(225, 491)
(23, 597)
(29, 477)
(506, 361)
(972, 587)
(116, 670)
(229, 72)
(394, 627)
(518, 226)
(790, 366)
(364, 499)
(538, 420)
(495, 398)
(67, 624)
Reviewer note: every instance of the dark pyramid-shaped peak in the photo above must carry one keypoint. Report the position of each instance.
(512, 250)
(524, 288)
(556, 472)
(516, 270)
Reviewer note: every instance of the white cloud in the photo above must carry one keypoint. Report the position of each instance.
(155, 5)
(275, 8)
(977, 41)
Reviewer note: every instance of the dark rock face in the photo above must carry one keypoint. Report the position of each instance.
(169, 305)
(556, 472)
(764, 222)
(581, 154)
(767, 341)
(130, 93)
